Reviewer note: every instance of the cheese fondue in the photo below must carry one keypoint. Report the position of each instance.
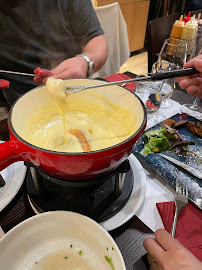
(83, 121)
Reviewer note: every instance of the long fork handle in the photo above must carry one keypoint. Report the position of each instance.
(173, 229)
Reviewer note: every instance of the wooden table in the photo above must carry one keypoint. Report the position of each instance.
(129, 237)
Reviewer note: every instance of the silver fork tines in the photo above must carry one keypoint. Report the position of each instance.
(181, 200)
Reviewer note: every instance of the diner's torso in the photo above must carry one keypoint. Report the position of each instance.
(41, 33)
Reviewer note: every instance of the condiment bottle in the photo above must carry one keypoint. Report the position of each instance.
(199, 20)
(189, 34)
(188, 18)
(177, 28)
(175, 35)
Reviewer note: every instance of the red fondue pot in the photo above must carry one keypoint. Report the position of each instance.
(72, 166)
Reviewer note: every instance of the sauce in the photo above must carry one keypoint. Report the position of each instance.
(63, 260)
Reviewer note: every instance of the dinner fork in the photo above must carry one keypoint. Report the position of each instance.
(181, 200)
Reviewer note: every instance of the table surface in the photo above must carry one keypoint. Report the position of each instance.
(129, 237)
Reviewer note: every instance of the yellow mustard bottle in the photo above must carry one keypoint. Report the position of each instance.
(189, 34)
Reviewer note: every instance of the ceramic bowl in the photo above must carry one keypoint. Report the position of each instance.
(59, 240)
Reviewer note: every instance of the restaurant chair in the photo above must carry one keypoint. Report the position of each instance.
(158, 31)
(115, 32)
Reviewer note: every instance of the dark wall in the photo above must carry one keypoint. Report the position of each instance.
(156, 9)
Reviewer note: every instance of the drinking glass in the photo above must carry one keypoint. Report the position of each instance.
(150, 93)
(169, 84)
(174, 51)
(195, 107)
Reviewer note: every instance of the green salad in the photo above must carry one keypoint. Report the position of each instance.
(158, 140)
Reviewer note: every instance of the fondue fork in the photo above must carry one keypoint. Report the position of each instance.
(70, 89)
(17, 73)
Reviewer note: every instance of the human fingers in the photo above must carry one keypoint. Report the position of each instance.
(165, 240)
(153, 248)
(66, 74)
(196, 81)
(195, 91)
(191, 63)
(179, 79)
(198, 64)
(152, 262)
(184, 83)
(58, 69)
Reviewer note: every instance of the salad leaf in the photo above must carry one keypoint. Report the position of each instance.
(158, 140)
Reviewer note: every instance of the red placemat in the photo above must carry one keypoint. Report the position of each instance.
(189, 225)
(121, 77)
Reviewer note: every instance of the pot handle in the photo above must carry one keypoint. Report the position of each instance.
(9, 153)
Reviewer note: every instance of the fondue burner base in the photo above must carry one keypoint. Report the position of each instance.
(99, 198)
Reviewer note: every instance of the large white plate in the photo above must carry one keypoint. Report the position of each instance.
(136, 199)
(14, 176)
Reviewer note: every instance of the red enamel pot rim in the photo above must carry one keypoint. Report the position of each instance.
(73, 153)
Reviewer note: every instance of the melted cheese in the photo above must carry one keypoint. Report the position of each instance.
(80, 122)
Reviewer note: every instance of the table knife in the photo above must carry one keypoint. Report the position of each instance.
(191, 170)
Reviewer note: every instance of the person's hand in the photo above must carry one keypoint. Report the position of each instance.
(193, 83)
(166, 253)
(73, 68)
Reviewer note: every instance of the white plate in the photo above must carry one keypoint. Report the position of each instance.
(14, 176)
(134, 203)
(136, 199)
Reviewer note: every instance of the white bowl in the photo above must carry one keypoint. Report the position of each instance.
(59, 240)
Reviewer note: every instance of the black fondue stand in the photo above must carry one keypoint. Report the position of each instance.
(129, 237)
(98, 198)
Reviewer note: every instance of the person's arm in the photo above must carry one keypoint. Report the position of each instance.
(89, 34)
(193, 83)
(166, 253)
(76, 67)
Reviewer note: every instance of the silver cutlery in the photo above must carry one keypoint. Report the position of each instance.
(181, 200)
(188, 168)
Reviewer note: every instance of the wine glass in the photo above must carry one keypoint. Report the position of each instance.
(168, 84)
(194, 108)
(150, 93)
(174, 51)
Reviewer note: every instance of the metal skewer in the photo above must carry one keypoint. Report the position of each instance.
(17, 73)
(155, 76)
